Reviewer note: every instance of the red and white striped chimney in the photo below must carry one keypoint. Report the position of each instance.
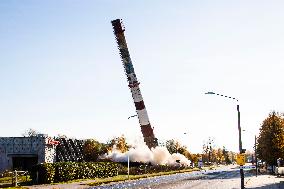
(133, 84)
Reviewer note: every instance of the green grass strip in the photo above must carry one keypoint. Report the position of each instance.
(121, 178)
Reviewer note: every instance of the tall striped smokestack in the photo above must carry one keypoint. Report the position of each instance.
(133, 84)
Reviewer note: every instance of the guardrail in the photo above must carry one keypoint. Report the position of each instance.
(15, 174)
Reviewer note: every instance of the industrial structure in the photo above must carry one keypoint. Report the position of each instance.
(133, 84)
(22, 153)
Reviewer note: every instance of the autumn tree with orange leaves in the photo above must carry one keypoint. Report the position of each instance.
(270, 143)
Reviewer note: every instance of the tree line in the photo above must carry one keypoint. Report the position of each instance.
(94, 150)
(269, 145)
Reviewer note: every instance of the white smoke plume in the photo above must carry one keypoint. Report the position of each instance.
(141, 153)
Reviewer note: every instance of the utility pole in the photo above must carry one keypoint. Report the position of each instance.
(128, 165)
(255, 155)
(240, 133)
(240, 146)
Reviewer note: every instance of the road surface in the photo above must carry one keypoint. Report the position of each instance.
(222, 178)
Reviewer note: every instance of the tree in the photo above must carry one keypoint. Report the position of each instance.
(220, 156)
(232, 156)
(119, 143)
(194, 158)
(226, 156)
(61, 136)
(207, 150)
(174, 146)
(270, 143)
(92, 149)
(30, 132)
(171, 145)
(187, 154)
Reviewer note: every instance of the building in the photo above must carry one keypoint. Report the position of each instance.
(23, 152)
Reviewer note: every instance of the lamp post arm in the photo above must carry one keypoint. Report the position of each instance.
(222, 95)
(240, 132)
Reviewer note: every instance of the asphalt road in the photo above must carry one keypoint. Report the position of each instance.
(224, 178)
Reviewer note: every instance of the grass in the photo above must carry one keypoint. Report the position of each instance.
(9, 179)
(12, 187)
(6, 182)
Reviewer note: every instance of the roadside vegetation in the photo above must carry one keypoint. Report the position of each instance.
(270, 143)
(165, 170)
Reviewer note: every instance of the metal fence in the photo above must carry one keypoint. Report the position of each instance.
(16, 175)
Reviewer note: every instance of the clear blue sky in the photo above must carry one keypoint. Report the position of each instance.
(60, 70)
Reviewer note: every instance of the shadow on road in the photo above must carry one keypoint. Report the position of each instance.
(228, 174)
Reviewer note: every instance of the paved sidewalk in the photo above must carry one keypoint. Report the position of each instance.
(264, 181)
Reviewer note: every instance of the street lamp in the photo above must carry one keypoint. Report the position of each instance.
(128, 165)
(240, 132)
(255, 153)
(128, 158)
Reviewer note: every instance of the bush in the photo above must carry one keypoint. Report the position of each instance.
(43, 173)
(144, 168)
(64, 171)
(5, 173)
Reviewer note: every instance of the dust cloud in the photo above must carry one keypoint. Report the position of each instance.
(155, 156)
